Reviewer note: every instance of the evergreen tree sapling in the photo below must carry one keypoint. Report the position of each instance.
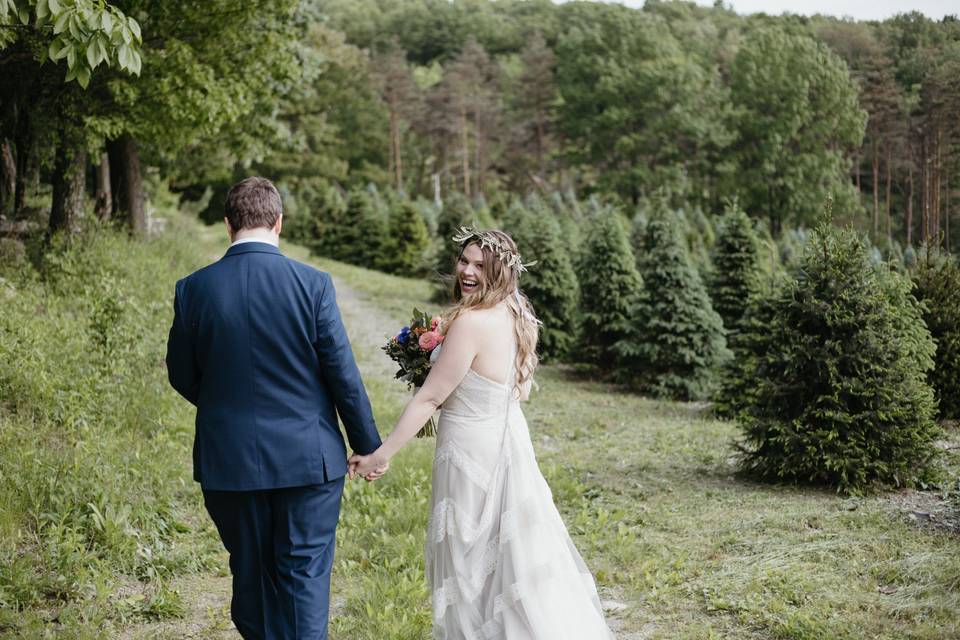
(937, 280)
(551, 284)
(841, 396)
(735, 269)
(677, 341)
(408, 242)
(610, 287)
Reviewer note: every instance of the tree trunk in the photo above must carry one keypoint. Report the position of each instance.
(465, 150)
(887, 196)
(910, 206)
(69, 173)
(104, 205)
(856, 169)
(23, 141)
(925, 196)
(8, 178)
(127, 182)
(876, 191)
(946, 211)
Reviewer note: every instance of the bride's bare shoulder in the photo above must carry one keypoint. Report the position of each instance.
(475, 320)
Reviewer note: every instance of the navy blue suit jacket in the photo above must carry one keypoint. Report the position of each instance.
(257, 344)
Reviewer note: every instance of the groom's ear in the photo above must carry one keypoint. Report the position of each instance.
(279, 224)
(230, 231)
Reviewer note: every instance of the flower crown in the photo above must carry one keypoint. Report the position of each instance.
(487, 239)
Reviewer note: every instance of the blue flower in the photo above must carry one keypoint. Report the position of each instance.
(403, 335)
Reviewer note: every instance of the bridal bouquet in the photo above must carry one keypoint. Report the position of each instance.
(411, 349)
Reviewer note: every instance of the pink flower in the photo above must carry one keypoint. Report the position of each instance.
(429, 340)
(434, 323)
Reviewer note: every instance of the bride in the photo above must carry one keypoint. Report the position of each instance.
(499, 561)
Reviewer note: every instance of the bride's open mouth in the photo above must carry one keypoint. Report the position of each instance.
(468, 285)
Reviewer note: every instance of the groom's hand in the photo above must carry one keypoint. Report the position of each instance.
(371, 467)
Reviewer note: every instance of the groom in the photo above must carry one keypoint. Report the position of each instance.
(258, 346)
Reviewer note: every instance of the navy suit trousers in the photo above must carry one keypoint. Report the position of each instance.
(281, 545)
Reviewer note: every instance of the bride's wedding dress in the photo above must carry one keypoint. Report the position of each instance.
(499, 560)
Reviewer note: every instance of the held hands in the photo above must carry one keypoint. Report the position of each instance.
(371, 467)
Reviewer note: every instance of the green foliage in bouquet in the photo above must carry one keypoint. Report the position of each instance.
(735, 268)
(610, 287)
(677, 343)
(937, 280)
(841, 397)
(408, 242)
(411, 349)
(551, 285)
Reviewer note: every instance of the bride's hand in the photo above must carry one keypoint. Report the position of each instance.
(371, 466)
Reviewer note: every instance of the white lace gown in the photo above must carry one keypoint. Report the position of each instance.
(499, 560)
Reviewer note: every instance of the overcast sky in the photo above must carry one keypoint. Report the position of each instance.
(857, 9)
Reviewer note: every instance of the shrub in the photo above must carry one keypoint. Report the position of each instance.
(408, 243)
(937, 280)
(841, 395)
(676, 343)
(365, 233)
(610, 287)
(735, 268)
(551, 284)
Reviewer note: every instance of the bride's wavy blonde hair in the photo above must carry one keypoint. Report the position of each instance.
(501, 282)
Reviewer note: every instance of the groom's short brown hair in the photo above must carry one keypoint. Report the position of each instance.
(253, 202)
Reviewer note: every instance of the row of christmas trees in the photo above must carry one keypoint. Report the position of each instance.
(835, 361)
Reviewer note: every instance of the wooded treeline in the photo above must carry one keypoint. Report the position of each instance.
(486, 99)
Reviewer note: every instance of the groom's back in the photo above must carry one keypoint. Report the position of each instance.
(265, 415)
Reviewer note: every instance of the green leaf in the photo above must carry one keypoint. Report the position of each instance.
(123, 57)
(71, 75)
(24, 15)
(135, 27)
(137, 63)
(106, 21)
(83, 76)
(74, 26)
(93, 53)
(61, 24)
(71, 56)
(102, 46)
(54, 5)
(55, 49)
(43, 10)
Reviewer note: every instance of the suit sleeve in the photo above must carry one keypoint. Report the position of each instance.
(182, 370)
(341, 375)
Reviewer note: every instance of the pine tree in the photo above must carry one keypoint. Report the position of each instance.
(454, 213)
(677, 342)
(937, 280)
(840, 379)
(326, 211)
(737, 389)
(365, 236)
(735, 268)
(409, 241)
(551, 284)
(610, 287)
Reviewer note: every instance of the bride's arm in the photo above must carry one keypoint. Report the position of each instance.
(459, 349)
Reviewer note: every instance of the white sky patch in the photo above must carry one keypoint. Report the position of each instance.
(856, 9)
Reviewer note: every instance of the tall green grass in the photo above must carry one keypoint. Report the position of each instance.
(97, 508)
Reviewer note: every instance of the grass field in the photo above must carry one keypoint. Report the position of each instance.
(681, 547)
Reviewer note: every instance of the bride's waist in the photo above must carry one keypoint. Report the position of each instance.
(455, 413)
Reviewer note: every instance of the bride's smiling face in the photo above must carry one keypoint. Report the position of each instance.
(470, 269)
